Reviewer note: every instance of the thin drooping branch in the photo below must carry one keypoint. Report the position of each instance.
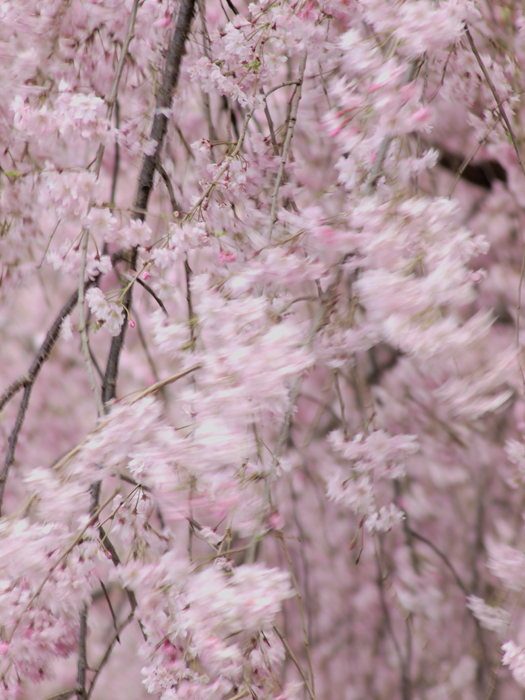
(145, 286)
(44, 350)
(100, 400)
(301, 609)
(26, 382)
(164, 175)
(145, 186)
(152, 293)
(296, 662)
(382, 579)
(62, 696)
(82, 327)
(287, 141)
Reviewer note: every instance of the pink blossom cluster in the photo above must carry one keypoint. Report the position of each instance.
(261, 271)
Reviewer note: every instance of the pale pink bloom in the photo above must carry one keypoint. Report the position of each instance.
(385, 520)
(355, 492)
(114, 319)
(97, 303)
(150, 147)
(514, 657)
(508, 564)
(227, 257)
(135, 233)
(101, 222)
(490, 617)
(163, 21)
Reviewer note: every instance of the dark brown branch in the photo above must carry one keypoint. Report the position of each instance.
(110, 548)
(110, 606)
(483, 174)
(80, 689)
(232, 7)
(150, 291)
(187, 270)
(158, 132)
(164, 99)
(12, 390)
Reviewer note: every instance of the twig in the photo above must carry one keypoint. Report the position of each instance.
(107, 653)
(296, 662)
(116, 163)
(164, 175)
(110, 548)
(226, 164)
(164, 382)
(82, 324)
(301, 608)
(144, 344)
(382, 577)
(287, 140)
(26, 381)
(152, 293)
(224, 167)
(103, 423)
(85, 234)
(328, 299)
(341, 404)
(13, 389)
(62, 696)
(110, 606)
(60, 559)
(442, 556)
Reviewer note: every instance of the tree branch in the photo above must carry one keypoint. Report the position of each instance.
(145, 186)
(26, 382)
